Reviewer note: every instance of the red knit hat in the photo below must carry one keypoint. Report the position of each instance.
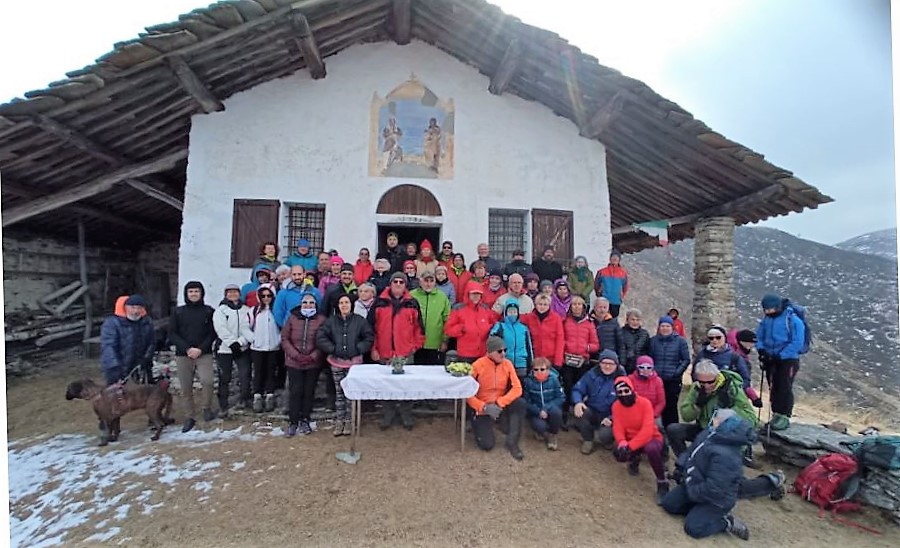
(425, 245)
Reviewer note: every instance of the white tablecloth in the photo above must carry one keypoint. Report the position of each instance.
(418, 382)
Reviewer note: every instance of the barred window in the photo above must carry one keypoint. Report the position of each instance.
(507, 232)
(305, 221)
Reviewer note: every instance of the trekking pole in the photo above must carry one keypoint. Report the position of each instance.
(762, 379)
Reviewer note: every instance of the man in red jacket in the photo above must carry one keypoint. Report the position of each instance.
(399, 332)
(635, 432)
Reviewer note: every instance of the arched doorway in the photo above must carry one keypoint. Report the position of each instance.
(413, 213)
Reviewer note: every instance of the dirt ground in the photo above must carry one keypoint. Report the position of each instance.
(409, 488)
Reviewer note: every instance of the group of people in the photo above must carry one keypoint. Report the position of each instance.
(541, 355)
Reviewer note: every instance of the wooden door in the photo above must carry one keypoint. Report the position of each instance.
(253, 222)
(553, 227)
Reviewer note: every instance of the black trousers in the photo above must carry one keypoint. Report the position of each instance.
(302, 391)
(225, 364)
(264, 364)
(425, 356)
(510, 421)
(330, 391)
(673, 391)
(614, 310)
(679, 433)
(280, 370)
(780, 376)
(570, 376)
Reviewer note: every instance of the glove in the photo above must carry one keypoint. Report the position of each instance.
(621, 453)
(702, 398)
(725, 400)
(492, 410)
(757, 403)
(235, 348)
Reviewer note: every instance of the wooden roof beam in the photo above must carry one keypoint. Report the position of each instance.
(507, 68)
(402, 19)
(603, 118)
(86, 210)
(154, 192)
(193, 85)
(308, 45)
(73, 194)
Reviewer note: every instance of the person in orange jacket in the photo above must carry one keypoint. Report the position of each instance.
(470, 324)
(499, 397)
(636, 433)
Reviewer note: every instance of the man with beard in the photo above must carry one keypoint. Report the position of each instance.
(193, 334)
(126, 339)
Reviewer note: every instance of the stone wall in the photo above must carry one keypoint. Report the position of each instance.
(713, 276)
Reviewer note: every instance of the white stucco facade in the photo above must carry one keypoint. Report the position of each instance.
(303, 140)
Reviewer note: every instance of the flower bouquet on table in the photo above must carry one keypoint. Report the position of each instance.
(459, 369)
(397, 364)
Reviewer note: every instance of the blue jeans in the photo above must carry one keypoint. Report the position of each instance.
(114, 374)
(550, 425)
(700, 520)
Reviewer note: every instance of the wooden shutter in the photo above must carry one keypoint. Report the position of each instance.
(553, 227)
(253, 222)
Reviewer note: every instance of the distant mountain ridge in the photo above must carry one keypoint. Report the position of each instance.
(851, 300)
(881, 243)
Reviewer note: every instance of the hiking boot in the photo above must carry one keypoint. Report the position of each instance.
(270, 403)
(313, 426)
(338, 428)
(750, 462)
(737, 527)
(291, 430)
(633, 467)
(348, 428)
(304, 428)
(208, 415)
(776, 477)
(540, 437)
(515, 452)
(779, 422)
(552, 442)
(587, 447)
(387, 417)
(406, 419)
(188, 425)
(257, 403)
(662, 489)
(224, 413)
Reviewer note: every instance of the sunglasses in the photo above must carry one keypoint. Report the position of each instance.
(447, 247)
(645, 367)
(265, 296)
(707, 382)
(714, 337)
(540, 369)
(624, 392)
(502, 351)
(398, 282)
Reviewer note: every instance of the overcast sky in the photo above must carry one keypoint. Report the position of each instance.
(805, 82)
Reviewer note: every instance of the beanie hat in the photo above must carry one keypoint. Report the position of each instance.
(495, 344)
(745, 335)
(549, 247)
(346, 267)
(496, 272)
(609, 355)
(407, 263)
(666, 319)
(545, 283)
(136, 300)
(398, 276)
(425, 245)
(302, 242)
(531, 276)
(392, 234)
(771, 300)
(229, 287)
(713, 330)
(644, 360)
(336, 259)
(427, 274)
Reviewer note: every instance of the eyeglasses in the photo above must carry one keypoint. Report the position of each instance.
(707, 382)
(714, 337)
(398, 282)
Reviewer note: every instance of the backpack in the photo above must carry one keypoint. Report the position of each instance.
(829, 483)
(877, 451)
(800, 312)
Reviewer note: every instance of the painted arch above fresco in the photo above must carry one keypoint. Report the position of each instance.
(411, 133)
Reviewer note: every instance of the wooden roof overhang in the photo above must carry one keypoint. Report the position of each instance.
(108, 144)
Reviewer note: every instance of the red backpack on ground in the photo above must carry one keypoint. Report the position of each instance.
(829, 483)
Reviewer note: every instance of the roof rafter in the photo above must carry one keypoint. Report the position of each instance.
(194, 86)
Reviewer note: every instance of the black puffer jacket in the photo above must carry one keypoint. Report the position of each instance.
(637, 343)
(609, 334)
(713, 468)
(192, 325)
(345, 337)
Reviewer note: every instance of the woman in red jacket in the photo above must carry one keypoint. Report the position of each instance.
(363, 269)
(470, 324)
(636, 433)
(459, 276)
(546, 328)
(580, 342)
(647, 383)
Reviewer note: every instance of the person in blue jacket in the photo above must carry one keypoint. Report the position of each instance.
(593, 396)
(713, 477)
(517, 338)
(671, 358)
(127, 339)
(262, 274)
(545, 397)
(780, 337)
(289, 299)
(302, 256)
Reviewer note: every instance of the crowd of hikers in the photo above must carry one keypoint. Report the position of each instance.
(545, 342)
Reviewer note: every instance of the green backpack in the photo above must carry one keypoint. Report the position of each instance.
(877, 451)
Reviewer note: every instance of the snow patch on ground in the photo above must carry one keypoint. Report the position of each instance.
(48, 475)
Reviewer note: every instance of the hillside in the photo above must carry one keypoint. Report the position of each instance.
(851, 298)
(882, 243)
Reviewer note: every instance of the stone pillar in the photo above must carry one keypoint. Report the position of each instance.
(713, 277)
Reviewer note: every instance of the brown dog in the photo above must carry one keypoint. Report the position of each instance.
(114, 401)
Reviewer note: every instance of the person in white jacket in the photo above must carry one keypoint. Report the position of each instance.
(264, 349)
(231, 321)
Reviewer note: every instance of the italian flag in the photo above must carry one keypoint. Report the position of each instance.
(660, 229)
